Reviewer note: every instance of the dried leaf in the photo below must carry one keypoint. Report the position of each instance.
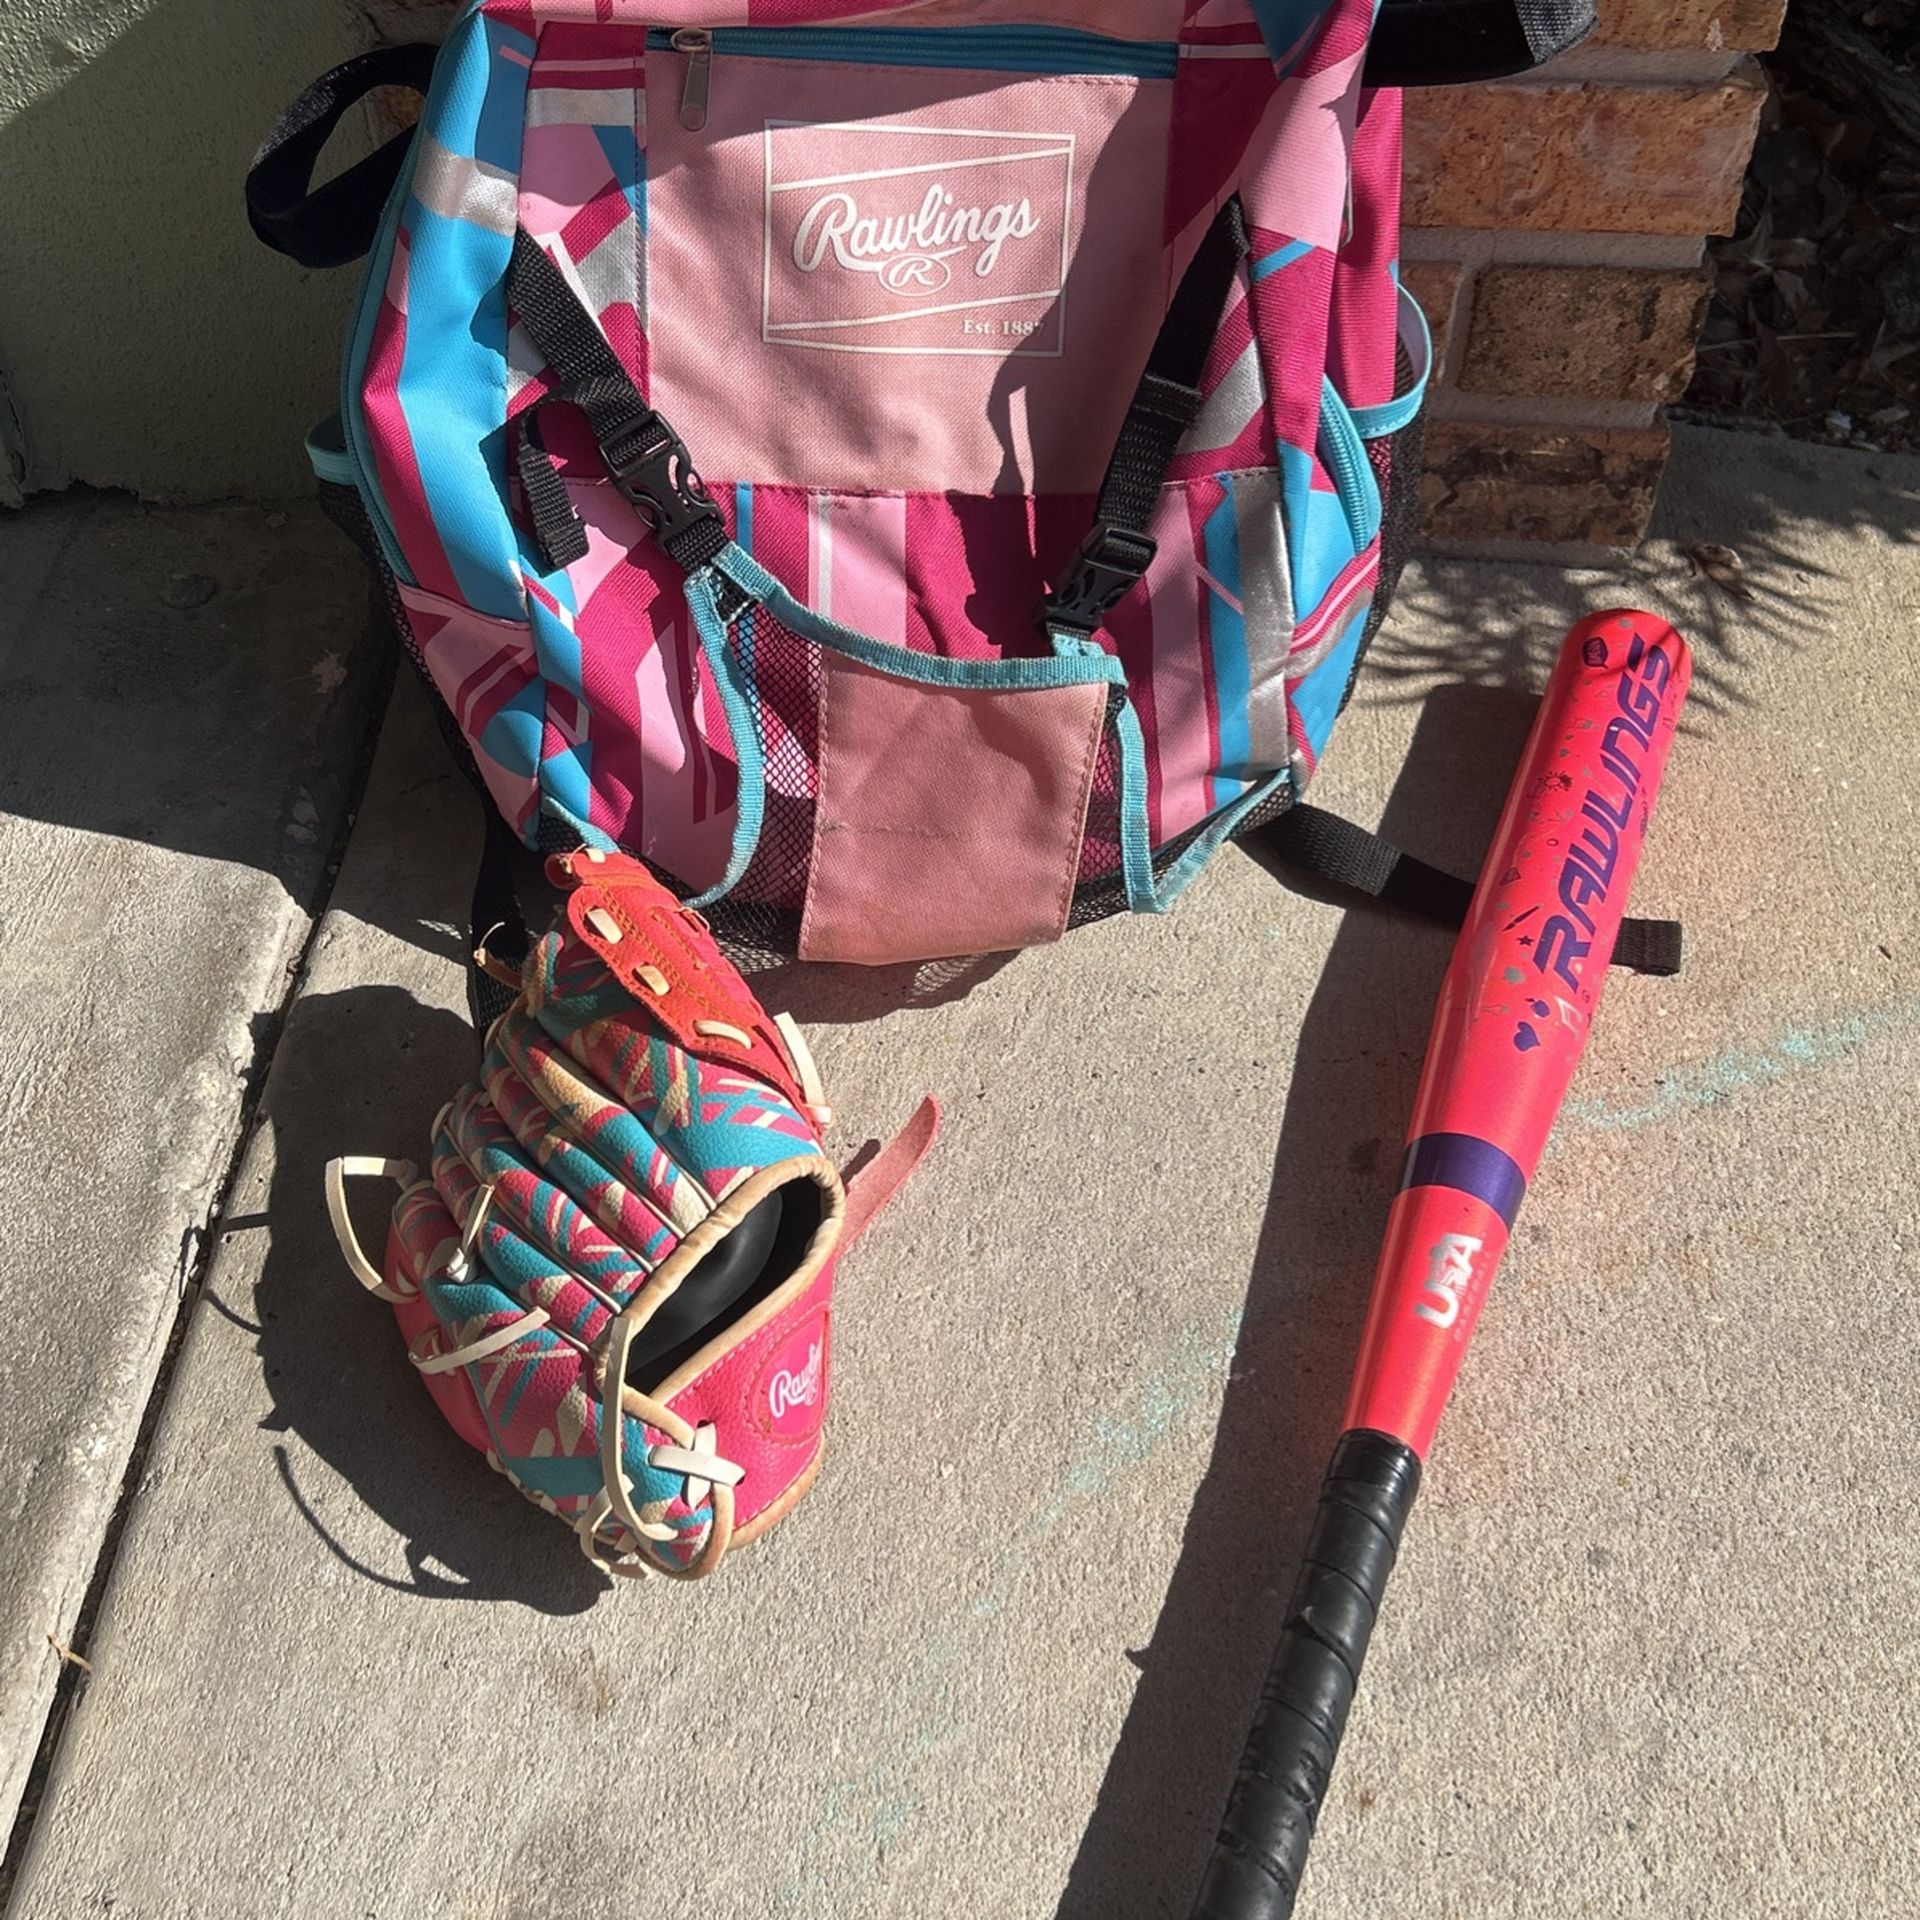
(1816, 311)
(1722, 567)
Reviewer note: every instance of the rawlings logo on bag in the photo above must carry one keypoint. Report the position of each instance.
(957, 244)
(910, 252)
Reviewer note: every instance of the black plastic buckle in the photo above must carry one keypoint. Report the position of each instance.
(650, 465)
(1110, 564)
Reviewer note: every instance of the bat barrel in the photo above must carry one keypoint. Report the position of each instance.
(1261, 1850)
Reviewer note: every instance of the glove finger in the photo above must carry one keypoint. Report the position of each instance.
(425, 1235)
(423, 1240)
(706, 1117)
(598, 1153)
(514, 1262)
(540, 1211)
(535, 1405)
(541, 1417)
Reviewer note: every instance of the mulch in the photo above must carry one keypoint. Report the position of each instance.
(1815, 324)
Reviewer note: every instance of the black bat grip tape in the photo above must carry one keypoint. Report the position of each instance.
(1261, 1850)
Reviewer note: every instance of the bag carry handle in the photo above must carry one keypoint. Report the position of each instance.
(1447, 43)
(330, 225)
(1416, 43)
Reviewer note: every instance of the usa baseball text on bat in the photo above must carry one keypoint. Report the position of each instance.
(1513, 1016)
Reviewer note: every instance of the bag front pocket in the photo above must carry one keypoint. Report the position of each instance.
(949, 819)
(905, 806)
(876, 259)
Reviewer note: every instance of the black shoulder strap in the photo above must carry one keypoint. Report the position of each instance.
(1334, 850)
(330, 225)
(1446, 43)
(1116, 554)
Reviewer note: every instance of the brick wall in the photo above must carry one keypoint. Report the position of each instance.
(1556, 236)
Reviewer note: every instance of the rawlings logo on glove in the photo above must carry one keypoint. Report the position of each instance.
(617, 1277)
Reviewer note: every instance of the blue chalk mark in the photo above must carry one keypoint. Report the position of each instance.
(1744, 1070)
(927, 1716)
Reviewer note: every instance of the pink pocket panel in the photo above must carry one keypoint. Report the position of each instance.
(949, 818)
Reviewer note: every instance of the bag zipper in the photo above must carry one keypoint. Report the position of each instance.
(1344, 455)
(992, 49)
(695, 45)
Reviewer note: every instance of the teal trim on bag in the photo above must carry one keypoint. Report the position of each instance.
(740, 701)
(1136, 836)
(1145, 894)
(1184, 871)
(1136, 833)
(903, 663)
(333, 465)
(366, 316)
(1374, 423)
(1004, 49)
(1344, 455)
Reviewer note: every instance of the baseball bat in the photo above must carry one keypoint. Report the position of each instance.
(1513, 1015)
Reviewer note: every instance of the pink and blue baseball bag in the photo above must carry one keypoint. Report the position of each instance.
(919, 474)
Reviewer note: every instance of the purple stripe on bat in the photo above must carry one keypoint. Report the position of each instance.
(1471, 1165)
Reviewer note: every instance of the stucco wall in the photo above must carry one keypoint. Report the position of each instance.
(146, 339)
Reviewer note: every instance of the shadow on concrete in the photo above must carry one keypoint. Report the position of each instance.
(205, 681)
(1361, 1044)
(1776, 504)
(816, 991)
(367, 1069)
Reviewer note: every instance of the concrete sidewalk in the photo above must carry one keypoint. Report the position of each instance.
(184, 698)
(1650, 1648)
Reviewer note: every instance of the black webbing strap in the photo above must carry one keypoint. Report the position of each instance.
(1446, 43)
(328, 226)
(1117, 552)
(556, 526)
(647, 460)
(1336, 851)
(499, 923)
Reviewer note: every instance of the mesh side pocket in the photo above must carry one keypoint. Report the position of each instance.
(759, 921)
(344, 507)
(787, 670)
(1397, 461)
(1100, 842)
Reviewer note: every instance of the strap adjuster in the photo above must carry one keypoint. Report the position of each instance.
(1112, 561)
(651, 467)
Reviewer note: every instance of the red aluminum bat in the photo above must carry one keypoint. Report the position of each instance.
(1512, 1022)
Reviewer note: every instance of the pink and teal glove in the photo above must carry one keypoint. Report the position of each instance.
(617, 1279)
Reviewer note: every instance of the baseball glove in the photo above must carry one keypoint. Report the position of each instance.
(617, 1279)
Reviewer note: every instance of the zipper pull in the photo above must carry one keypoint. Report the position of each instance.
(696, 43)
